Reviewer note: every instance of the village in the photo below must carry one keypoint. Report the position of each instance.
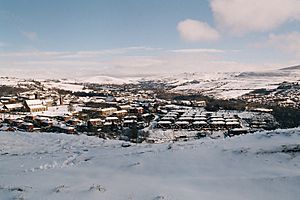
(127, 112)
(285, 95)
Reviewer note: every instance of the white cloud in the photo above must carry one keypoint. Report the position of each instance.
(288, 43)
(95, 63)
(242, 16)
(30, 35)
(79, 54)
(197, 31)
(197, 51)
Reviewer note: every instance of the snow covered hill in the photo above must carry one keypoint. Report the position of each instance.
(233, 85)
(218, 84)
(262, 166)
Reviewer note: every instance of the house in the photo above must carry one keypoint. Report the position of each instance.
(17, 122)
(199, 124)
(130, 117)
(120, 113)
(288, 103)
(125, 107)
(200, 103)
(35, 106)
(27, 126)
(73, 121)
(137, 110)
(164, 124)
(129, 123)
(232, 124)
(217, 122)
(108, 111)
(13, 107)
(48, 102)
(237, 131)
(95, 122)
(112, 119)
(62, 128)
(263, 110)
(182, 124)
(8, 99)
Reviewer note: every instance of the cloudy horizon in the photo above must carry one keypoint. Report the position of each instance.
(147, 37)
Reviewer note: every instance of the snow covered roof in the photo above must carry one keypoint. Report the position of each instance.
(200, 115)
(186, 118)
(27, 124)
(182, 123)
(200, 119)
(217, 122)
(164, 122)
(34, 102)
(125, 107)
(111, 118)
(14, 105)
(231, 120)
(129, 121)
(36, 106)
(167, 118)
(120, 111)
(217, 119)
(95, 120)
(109, 109)
(232, 123)
(199, 122)
(130, 117)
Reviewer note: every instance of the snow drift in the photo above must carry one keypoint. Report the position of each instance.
(57, 166)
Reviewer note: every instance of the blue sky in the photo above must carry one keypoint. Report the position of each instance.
(80, 25)
(119, 35)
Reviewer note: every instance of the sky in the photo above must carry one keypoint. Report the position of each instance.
(145, 37)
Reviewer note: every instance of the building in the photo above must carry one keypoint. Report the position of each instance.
(120, 113)
(13, 107)
(200, 103)
(108, 111)
(34, 106)
(288, 103)
(95, 122)
(27, 126)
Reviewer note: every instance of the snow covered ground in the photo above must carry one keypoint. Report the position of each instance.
(109, 80)
(219, 84)
(257, 166)
(235, 86)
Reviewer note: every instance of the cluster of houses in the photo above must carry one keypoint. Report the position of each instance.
(192, 119)
(108, 120)
(30, 101)
(109, 113)
(178, 118)
(113, 112)
(230, 123)
(287, 94)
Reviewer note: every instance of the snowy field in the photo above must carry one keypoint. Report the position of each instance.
(234, 87)
(261, 166)
(218, 84)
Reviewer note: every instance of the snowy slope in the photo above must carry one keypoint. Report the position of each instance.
(218, 84)
(57, 166)
(232, 85)
(109, 80)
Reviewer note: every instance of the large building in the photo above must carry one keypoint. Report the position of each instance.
(35, 105)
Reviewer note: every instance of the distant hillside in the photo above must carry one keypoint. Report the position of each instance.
(296, 67)
(262, 74)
